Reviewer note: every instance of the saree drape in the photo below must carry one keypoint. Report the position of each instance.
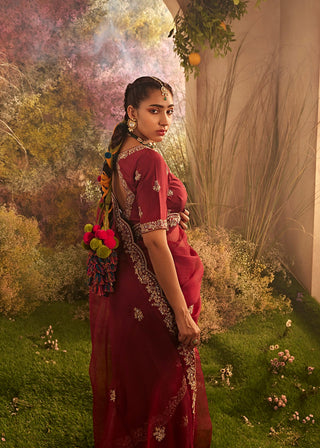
(148, 391)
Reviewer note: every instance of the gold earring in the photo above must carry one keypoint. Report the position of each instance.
(132, 124)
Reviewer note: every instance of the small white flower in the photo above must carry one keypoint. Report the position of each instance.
(288, 323)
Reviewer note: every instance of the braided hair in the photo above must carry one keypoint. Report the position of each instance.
(135, 93)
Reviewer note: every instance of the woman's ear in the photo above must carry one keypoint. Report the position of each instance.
(131, 112)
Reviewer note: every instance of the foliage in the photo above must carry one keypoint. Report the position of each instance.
(146, 22)
(64, 269)
(206, 23)
(20, 277)
(235, 283)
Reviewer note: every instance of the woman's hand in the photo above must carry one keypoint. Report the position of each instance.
(189, 332)
(184, 215)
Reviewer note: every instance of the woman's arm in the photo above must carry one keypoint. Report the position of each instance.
(165, 271)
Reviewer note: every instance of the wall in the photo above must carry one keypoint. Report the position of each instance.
(282, 37)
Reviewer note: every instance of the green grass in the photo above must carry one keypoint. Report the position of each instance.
(54, 395)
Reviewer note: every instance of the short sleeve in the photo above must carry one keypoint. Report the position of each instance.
(152, 190)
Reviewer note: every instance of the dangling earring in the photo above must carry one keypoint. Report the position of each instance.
(132, 124)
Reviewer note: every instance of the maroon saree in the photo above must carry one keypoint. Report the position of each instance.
(148, 391)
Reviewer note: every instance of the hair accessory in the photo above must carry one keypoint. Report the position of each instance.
(132, 124)
(163, 89)
(144, 143)
(108, 155)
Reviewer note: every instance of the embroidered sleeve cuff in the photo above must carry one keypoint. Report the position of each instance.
(154, 225)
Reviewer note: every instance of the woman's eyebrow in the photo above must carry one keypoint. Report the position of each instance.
(160, 105)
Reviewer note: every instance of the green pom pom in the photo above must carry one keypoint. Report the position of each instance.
(88, 228)
(103, 251)
(117, 242)
(84, 245)
(95, 243)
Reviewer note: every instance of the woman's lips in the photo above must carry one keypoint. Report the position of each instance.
(161, 132)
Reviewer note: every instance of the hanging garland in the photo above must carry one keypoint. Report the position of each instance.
(205, 23)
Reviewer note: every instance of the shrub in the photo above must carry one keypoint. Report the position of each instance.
(20, 278)
(64, 269)
(235, 283)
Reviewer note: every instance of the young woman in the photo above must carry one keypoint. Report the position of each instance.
(148, 387)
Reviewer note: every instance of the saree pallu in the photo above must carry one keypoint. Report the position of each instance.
(148, 391)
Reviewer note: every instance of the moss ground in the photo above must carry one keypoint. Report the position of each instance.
(45, 395)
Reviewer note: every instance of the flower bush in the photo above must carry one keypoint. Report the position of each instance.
(21, 279)
(235, 284)
(64, 270)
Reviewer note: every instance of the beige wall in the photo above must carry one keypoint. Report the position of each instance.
(282, 36)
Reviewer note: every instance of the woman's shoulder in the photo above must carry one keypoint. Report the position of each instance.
(143, 155)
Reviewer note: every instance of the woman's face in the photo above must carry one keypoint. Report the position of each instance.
(154, 116)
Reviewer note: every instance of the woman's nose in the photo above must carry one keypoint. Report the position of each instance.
(164, 119)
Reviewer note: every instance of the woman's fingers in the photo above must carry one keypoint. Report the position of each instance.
(184, 215)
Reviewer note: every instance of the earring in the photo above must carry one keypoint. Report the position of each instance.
(132, 124)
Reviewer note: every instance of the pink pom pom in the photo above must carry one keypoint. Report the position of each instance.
(110, 242)
(95, 228)
(101, 234)
(87, 237)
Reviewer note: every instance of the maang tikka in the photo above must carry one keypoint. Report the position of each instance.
(164, 91)
(132, 124)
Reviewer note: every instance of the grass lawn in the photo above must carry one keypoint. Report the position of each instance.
(45, 395)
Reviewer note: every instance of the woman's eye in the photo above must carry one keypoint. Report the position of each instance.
(154, 111)
(170, 111)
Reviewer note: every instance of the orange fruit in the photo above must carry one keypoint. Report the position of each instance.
(223, 25)
(194, 58)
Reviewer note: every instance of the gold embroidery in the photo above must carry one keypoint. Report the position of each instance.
(153, 225)
(140, 211)
(124, 154)
(159, 433)
(190, 361)
(112, 395)
(156, 187)
(138, 314)
(170, 193)
(185, 420)
(173, 219)
(191, 309)
(145, 276)
(137, 175)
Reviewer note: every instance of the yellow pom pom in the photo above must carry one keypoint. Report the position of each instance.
(194, 58)
(88, 228)
(103, 251)
(95, 243)
(117, 242)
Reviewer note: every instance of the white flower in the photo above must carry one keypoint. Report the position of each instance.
(288, 323)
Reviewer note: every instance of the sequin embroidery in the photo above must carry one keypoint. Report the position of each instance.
(112, 395)
(138, 314)
(159, 433)
(156, 187)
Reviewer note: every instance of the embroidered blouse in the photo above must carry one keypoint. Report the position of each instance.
(155, 196)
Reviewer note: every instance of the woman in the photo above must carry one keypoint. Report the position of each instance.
(148, 387)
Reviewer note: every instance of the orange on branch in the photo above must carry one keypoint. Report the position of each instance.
(194, 58)
(223, 25)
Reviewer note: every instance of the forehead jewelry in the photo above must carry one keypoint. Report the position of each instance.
(163, 89)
